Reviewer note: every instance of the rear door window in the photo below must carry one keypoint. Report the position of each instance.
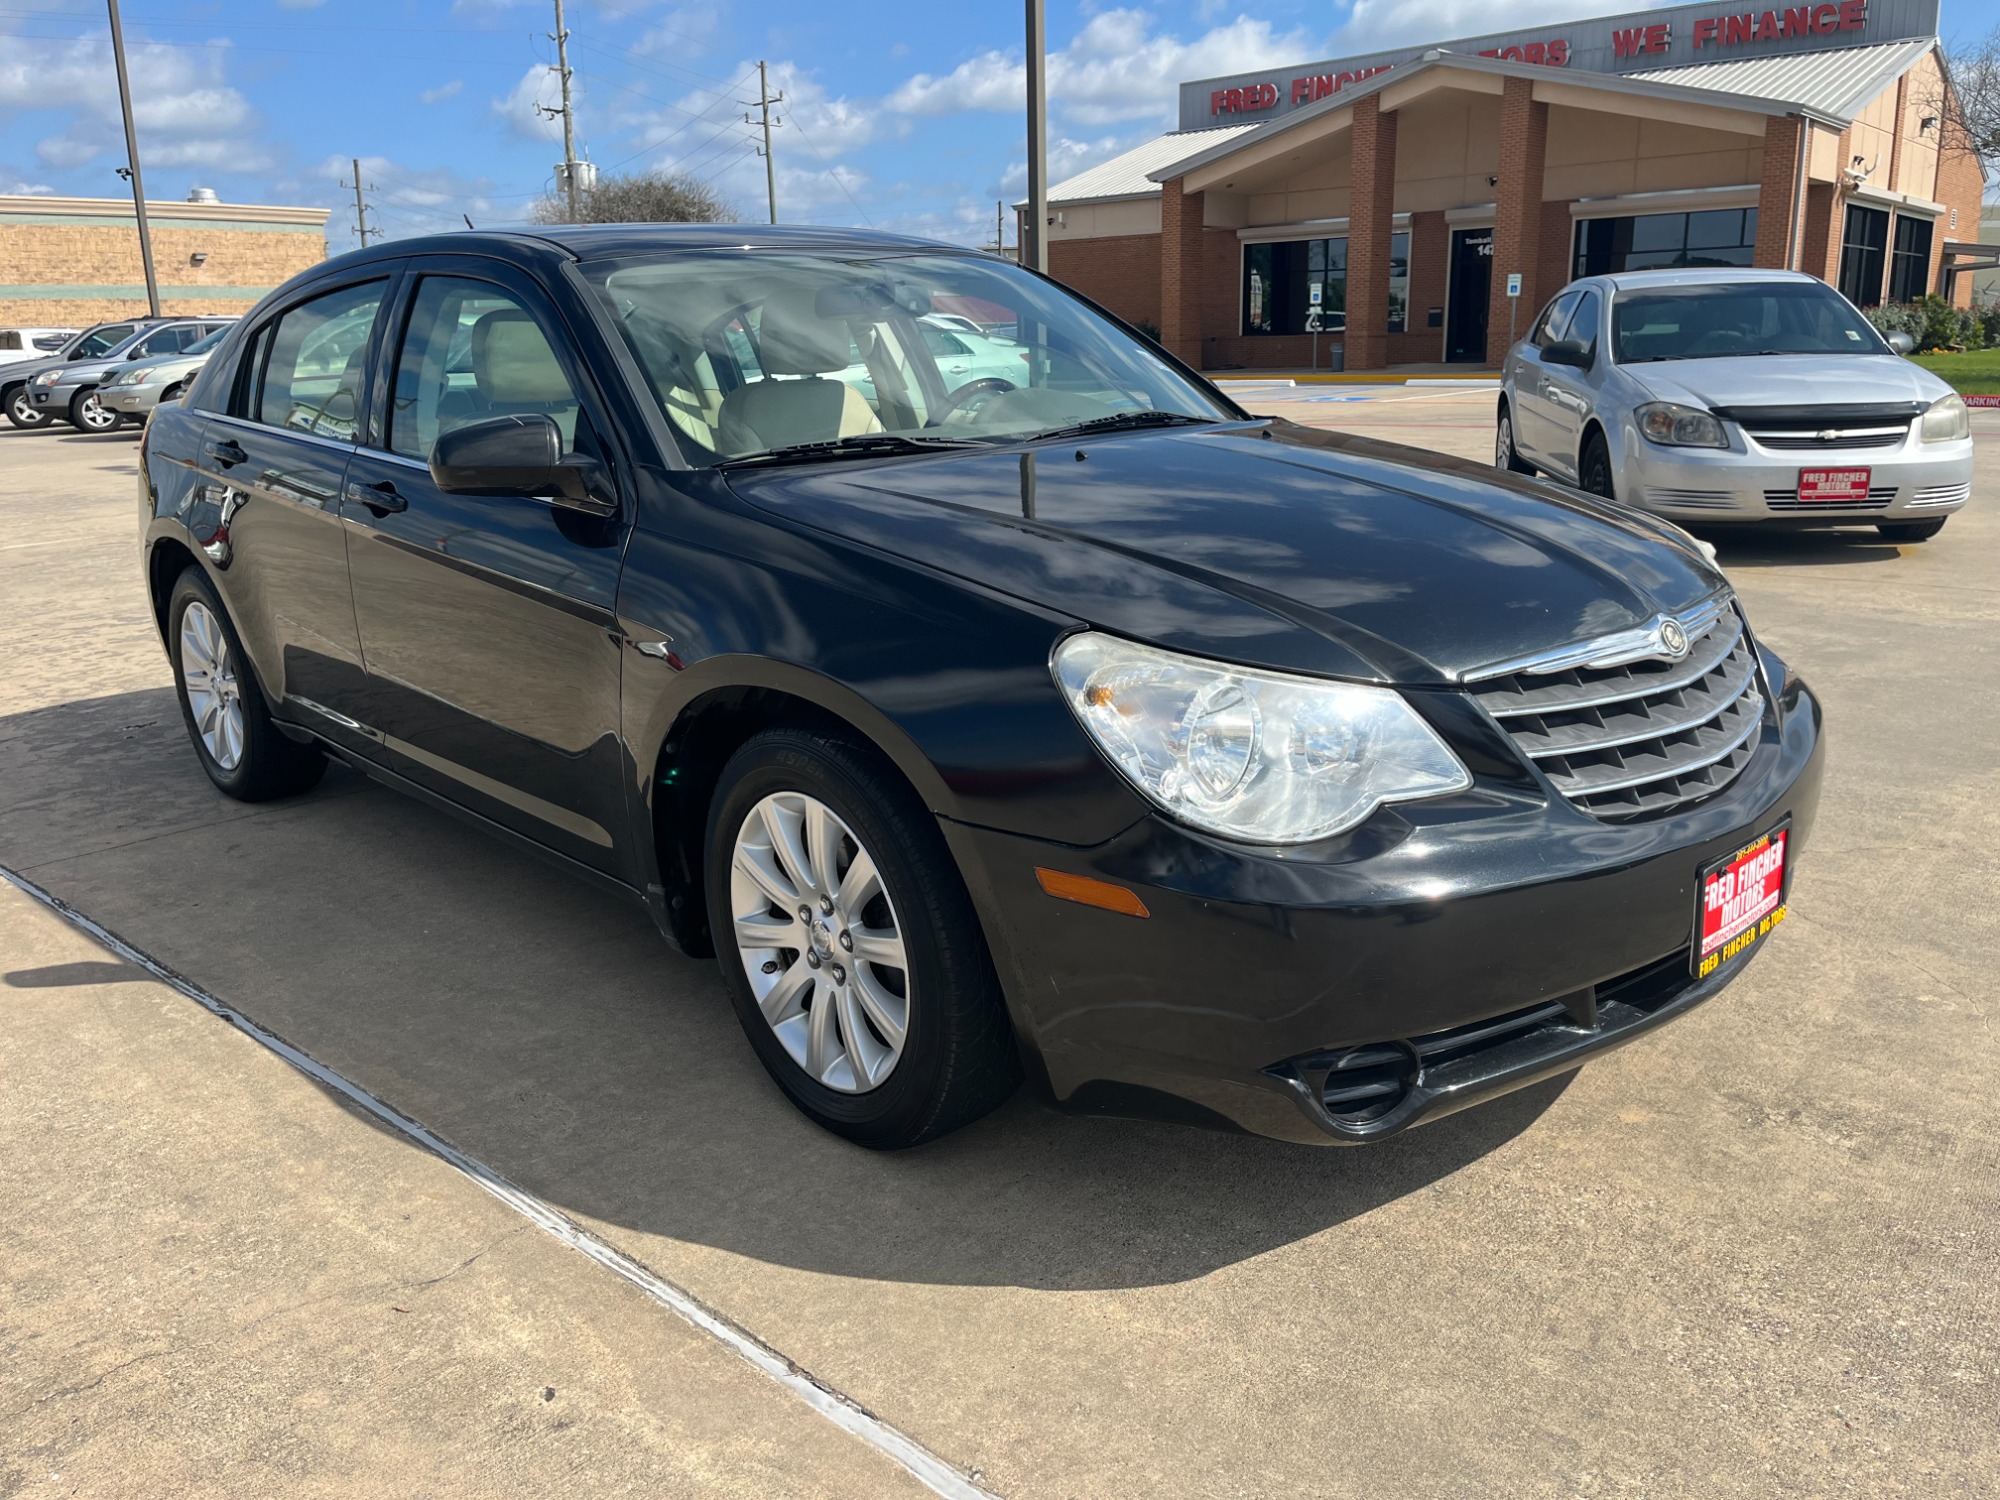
(314, 360)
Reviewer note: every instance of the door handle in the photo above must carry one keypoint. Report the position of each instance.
(229, 453)
(380, 497)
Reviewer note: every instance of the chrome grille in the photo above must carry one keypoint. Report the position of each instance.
(1812, 441)
(1644, 737)
(1691, 499)
(1942, 494)
(1879, 498)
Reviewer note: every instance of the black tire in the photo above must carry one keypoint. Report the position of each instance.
(1505, 454)
(1900, 532)
(958, 1059)
(270, 765)
(1593, 467)
(88, 414)
(23, 413)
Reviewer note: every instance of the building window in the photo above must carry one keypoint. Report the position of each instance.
(1910, 260)
(1712, 237)
(1279, 277)
(1862, 251)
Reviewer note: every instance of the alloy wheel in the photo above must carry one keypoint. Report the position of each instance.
(214, 695)
(93, 416)
(820, 942)
(21, 409)
(1503, 443)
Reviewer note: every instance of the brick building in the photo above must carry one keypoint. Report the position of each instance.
(1389, 200)
(69, 262)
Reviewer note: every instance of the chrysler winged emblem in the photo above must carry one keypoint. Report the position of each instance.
(1673, 639)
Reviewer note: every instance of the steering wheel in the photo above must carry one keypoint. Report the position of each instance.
(986, 386)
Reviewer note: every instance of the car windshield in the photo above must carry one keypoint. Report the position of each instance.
(206, 344)
(758, 357)
(101, 340)
(1720, 320)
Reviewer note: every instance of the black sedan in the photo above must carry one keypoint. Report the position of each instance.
(1065, 722)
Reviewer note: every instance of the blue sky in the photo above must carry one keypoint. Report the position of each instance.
(900, 113)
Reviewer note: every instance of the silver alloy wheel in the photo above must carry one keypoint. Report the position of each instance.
(94, 416)
(213, 694)
(820, 942)
(21, 406)
(1503, 443)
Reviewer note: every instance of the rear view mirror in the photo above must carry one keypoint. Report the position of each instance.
(1902, 343)
(518, 456)
(1572, 352)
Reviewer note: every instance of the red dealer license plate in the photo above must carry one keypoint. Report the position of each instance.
(1833, 486)
(1742, 898)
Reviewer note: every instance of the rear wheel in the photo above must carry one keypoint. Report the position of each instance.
(849, 946)
(1505, 454)
(241, 749)
(88, 414)
(1910, 531)
(22, 412)
(1593, 469)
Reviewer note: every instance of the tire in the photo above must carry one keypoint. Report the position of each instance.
(1505, 455)
(252, 761)
(21, 411)
(792, 800)
(88, 414)
(1593, 468)
(1910, 531)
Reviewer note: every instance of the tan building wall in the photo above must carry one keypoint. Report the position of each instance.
(68, 262)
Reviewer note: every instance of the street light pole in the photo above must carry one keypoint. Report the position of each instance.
(132, 161)
(1035, 247)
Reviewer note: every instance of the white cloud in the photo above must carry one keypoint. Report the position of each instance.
(64, 152)
(1067, 158)
(406, 200)
(525, 107)
(1115, 69)
(442, 92)
(681, 32)
(1373, 25)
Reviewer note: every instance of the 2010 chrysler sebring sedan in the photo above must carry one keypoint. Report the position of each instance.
(1072, 722)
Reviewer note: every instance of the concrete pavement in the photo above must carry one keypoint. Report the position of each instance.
(1752, 1255)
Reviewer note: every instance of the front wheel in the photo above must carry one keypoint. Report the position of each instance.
(1505, 454)
(88, 414)
(22, 411)
(849, 946)
(1593, 469)
(1910, 531)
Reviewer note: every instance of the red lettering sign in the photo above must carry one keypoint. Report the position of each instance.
(1764, 26)
(1549, 54)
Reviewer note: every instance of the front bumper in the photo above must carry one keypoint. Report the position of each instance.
(130, 400)
(1477, 944)
(54, 399)
(1910, 480)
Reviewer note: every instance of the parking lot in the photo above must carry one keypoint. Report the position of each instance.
(1756, 1253)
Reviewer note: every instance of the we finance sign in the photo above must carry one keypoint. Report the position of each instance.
(1637, 41)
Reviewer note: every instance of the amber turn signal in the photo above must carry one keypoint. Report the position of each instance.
(1087, 892)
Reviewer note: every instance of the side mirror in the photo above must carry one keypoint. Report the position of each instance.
(1572, 352)
(518, 456)
(1901, 342)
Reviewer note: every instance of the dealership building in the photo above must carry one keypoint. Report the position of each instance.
(70, 262)
(1377, 211)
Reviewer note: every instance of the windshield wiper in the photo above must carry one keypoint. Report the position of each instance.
(861, 445)
(1124, 419)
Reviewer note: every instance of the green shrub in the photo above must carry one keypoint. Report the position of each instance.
(1934, 323)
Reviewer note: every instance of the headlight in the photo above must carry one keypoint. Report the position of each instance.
(48, 377)
(1676, 426)
(1947, 421)
(1250, 754)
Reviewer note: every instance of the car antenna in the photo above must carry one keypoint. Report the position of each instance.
(468, 220)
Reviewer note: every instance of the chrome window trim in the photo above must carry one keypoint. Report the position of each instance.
(343, 445)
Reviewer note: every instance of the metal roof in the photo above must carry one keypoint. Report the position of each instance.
(1125, 176)
(1840, 82)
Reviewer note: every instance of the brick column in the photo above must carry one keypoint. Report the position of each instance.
(1180, 272)
(1777, 196)
(1517, 214)
(1370, 221)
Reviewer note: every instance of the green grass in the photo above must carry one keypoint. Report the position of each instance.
(1973, 373)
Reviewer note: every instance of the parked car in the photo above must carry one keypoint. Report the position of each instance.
(92, 343)
(961, 358)
(69, 390)
(1733, 395)
(1188, 762)
(18, 344)
(132, 390)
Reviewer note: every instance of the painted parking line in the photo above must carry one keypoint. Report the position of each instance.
(933, 1472)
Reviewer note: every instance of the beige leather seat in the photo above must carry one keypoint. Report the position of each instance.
(794, 340)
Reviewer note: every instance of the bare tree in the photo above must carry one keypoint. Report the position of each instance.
(640, 198)
(1970, 106)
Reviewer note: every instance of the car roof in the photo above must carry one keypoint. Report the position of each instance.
(1626, 281)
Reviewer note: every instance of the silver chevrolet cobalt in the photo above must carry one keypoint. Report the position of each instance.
(1733, 395)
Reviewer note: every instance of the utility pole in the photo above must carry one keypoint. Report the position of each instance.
(1035, 248)
(764, 100)
(569, 172)
(131, 170)
(360, 204)
(999, 227)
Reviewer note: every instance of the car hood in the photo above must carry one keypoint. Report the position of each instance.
(1266, 543)
(27, 369)
(169, 364)
(1790, 380)
(91, 369)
